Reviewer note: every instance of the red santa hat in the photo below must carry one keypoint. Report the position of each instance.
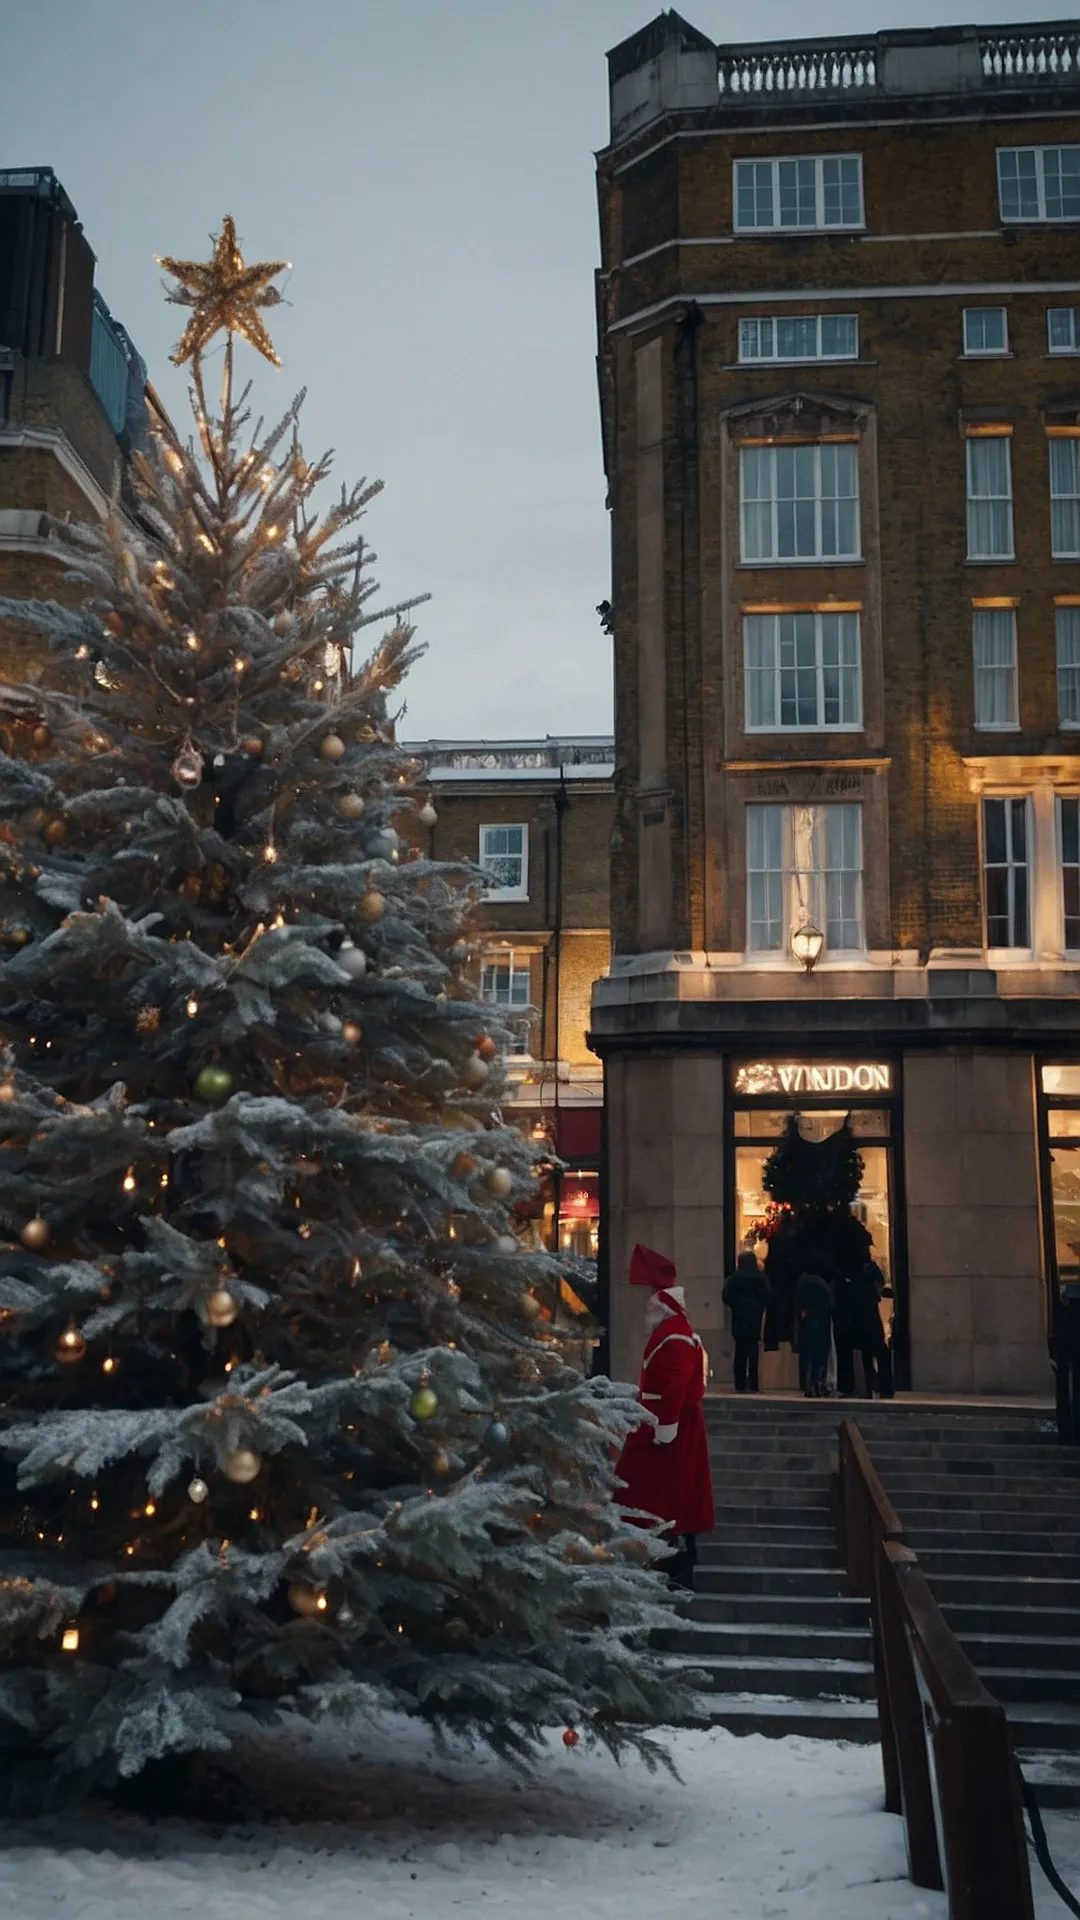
(651, 1269)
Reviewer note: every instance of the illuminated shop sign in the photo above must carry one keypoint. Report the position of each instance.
(813, 1076)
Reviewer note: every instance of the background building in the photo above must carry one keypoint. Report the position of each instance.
(536, 814)
(839, 320)
(72, 397)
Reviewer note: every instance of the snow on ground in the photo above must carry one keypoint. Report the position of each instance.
(386, 1830)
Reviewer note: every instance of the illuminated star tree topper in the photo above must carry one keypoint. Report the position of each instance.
(224, 295)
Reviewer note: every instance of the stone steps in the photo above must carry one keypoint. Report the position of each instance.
(987, 1498)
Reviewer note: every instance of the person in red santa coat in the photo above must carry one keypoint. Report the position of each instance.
(666, 1466)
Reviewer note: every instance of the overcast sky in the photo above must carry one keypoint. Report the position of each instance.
(427, 166)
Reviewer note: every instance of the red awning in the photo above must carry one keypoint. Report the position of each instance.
(579, 1133)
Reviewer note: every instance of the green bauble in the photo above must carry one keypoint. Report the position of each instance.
(214, 1083)
(424, 1403)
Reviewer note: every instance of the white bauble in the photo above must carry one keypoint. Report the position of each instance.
(352, 960)
(427, 815)
(505, 1243)
(499, 1181)
(242, 1466)
(475, 1071)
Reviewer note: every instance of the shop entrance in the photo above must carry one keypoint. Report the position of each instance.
(763, 1096)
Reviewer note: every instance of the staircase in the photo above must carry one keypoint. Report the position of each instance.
(989, 1501)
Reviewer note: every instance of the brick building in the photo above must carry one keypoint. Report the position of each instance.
(72, 397)
(536, 814)
(839, 334)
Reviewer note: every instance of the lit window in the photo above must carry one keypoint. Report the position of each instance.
(1061, 336)
(1068, 810)
(800, 336)
(989, 502)
(1067, 621)
(504, 855)
(1039, 183)
(800, 502)
(503, 984)
(1005, 872)
(804, 867)
(802, 671)
(986, 330)
(994, 638)
(822, 191)
(1065, 498)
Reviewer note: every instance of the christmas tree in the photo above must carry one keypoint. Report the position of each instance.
(284, 1420)
(810, 1226)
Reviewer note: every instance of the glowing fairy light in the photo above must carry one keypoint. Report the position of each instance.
(70, 1640)
(192, 1008)
(129, 1180)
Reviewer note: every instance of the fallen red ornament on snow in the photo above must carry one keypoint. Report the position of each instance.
(571, 1737)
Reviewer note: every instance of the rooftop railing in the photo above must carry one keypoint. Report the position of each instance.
(1031, 56)
(832, 66)
(821, 68)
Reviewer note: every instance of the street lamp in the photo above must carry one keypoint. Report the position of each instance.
(806, 945)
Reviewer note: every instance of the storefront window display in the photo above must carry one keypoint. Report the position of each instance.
(1059, 1109)
(764, 1096)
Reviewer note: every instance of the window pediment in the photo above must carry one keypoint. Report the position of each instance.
(801, 415)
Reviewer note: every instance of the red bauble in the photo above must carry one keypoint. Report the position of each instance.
(571, 1737)
(486, 1047)
(114, 622)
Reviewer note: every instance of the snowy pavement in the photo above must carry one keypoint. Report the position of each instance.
(755, 1830)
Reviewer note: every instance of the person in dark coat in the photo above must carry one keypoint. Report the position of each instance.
(813, 1314)
(864, 1295)
(746, 1293)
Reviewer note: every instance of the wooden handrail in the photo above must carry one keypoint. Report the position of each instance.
(946, 1746)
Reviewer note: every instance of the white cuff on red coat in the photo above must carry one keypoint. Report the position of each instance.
(665, 1435)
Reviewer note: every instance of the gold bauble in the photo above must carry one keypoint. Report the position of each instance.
(56, 833)
(331, 746)
(41, 736)
(350, 806)
(499, 1181)
(243, 1465)
(530, 1306)
(372, 906)
(221, 1308)
(351, 1033)
(35, 1234)
(71, 1346)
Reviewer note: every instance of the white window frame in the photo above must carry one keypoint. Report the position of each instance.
(1061, 801)
(1067, 650)
(801, 889)
(1011, 866)
(989, 627)
(1039, 171)
(772, 502)
(764, 329)
(517, 1012)
(487, 859)
(770, 636)
(1064, 503)
(977, 500)
(1074, 344)
(819, 161)
(973, 314)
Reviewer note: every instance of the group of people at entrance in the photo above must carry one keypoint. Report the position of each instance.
(831, 1324)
